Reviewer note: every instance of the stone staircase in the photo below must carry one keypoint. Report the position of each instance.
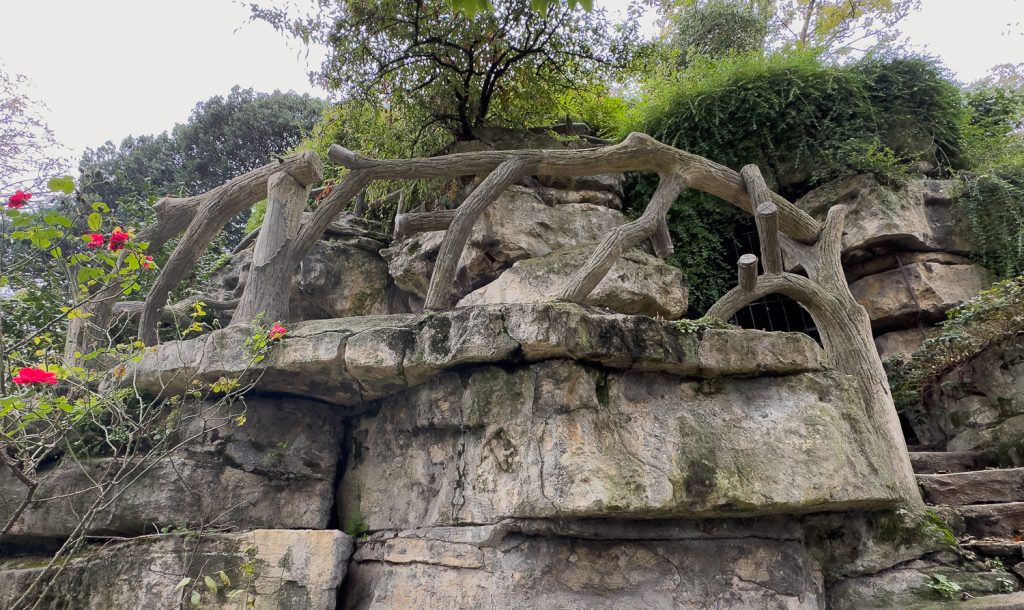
(984, 507)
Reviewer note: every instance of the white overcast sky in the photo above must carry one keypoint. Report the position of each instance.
(110, 68)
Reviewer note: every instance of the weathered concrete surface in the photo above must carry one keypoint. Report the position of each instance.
(922, 216)
(561, 440)
(933, 289)
(637, 284)
(517, 226)
(290, 569)
(275, 471)
(480, 567)
(349, 361)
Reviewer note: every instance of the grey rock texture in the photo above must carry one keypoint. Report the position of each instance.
(982, 486)
(561, 440)
(920, 217)
(482, 567)
(275, 471)
(906, 588)
(922, 291)
(979, 404)
(349, 361)
(637, 284)
(341, 276)
(901, 343)
(291, 569)
(517, 226)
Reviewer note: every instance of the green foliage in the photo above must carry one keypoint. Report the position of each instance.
(455, 71)
(993, 193)
(702, 229)
(698, 326)
(800, 118)
(355, 525)
(717, 28)
(223, 138)
(990, 317)
(943, 586)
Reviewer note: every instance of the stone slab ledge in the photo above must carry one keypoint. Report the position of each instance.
(348, 361)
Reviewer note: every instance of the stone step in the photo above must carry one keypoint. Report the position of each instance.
(973, 487)
(931, 462)
(1009, 550)
(1000, 521)
(1008, 601)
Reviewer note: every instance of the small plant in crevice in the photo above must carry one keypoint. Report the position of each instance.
(943, 586)
(355, 525)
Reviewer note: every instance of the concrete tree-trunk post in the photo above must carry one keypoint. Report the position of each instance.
(268, 288)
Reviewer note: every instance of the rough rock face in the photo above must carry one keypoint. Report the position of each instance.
(979, 404)
(274, 569)
(920, 217)
(933, 289)
(904, 254)
(343, 275)
(649, 565)
(637, 284)
(275, 471)
(517, 226)
(350, 361)
(560, 440)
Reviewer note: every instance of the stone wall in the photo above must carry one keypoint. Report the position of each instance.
(495, 456)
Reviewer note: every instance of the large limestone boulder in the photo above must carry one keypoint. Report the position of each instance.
(558, 439)
(269, 569)
(920, 216)
(923, 292)
(611, 566)
(638, 283)
(275, 471)
(517, 226)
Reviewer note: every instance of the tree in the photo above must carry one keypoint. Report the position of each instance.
(716, 28)
(27, 144)
(223, 138)
(447, 70)
(835, 26)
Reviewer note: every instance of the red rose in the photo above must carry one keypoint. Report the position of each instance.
(117, 240)
(277, 332)
(18, 199)
(95, 240)
(147, 262)
(31, 375)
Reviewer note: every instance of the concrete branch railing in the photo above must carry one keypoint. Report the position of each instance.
(287, 235)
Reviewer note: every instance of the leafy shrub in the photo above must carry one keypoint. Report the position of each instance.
(799, 118)
(990, 317)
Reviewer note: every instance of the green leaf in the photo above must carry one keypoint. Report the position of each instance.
(234, 593)
(99, 206)
(211, 584)
(224, 578)
(182, 583)
(56, 218)
(196, 599)
(64, 184)
(95, 221)
(588, 5)
(541, 6)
